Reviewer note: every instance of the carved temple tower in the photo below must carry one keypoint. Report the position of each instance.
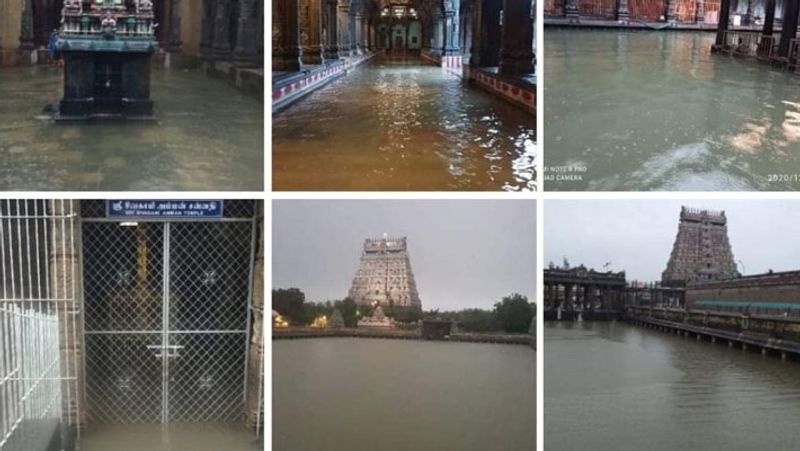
(384, 275)
(702, 251)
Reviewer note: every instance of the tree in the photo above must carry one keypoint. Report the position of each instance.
(289, 303)
(347, 307)
(514, 313)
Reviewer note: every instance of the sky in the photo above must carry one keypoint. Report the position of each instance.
(637, 235)
(464, 253)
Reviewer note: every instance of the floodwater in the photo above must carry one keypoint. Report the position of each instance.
(390, 125)
(351, 394)
(209, 136)
(648, 110)
(179, 437)
(617, 387)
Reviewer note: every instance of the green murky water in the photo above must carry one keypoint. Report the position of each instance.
(653, 110)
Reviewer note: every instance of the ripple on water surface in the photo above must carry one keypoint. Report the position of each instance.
(616, 387)
(657, 111)
(208, 137)
(392, 126)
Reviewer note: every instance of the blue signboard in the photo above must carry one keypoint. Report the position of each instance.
(164, 209)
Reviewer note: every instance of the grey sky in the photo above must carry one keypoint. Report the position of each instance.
(637, 235)
(464, 253)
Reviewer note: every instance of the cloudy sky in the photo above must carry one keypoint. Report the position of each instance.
(637, 235)
(464, 253)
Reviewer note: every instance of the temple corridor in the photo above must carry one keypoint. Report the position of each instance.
(403, 125)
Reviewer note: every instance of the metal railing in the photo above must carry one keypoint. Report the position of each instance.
(38, 338)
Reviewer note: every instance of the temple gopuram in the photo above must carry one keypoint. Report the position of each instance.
(384, 275)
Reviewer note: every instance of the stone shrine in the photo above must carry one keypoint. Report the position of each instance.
(384, 275)
(377, 320)
(106, 46)
(701, 252)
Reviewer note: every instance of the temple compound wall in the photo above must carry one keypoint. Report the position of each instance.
(702, 251)
(384, 276)
(772, 292)
(682, 12)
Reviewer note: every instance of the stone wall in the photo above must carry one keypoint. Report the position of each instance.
(771, 287)
(254, 413)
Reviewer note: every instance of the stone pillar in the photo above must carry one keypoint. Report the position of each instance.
(748, 15)
(65, 273)
(365, 33)
(255, 368)
(287, 53)
(517, 53)
(359, 20)
(450, 27)
(207, 28)
(622, 10)
(486, 38)
(343, 19)
(571, 9)
(26, 33)
(724, 19)
(700, 12)
(438, 36)
(351, 27)
(789, 28)
(247, 31)
(174, 39)
(330, 30)
(766, 44)
(670, 10)
(222, 28)
(311, 19)
(466, 41)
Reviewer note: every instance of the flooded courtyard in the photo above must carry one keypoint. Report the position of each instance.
(391, 125)
(208, 136)
(652, 110)
(172, 437)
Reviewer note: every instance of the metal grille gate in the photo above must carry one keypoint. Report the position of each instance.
(167, 307)
(39, 365)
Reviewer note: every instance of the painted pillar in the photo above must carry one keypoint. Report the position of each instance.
(517, 52)
(287, 53)
(247, 31)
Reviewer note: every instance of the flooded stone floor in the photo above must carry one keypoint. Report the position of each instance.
(208, 137)
(180, 437)
(402, 125)
(652, 110)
